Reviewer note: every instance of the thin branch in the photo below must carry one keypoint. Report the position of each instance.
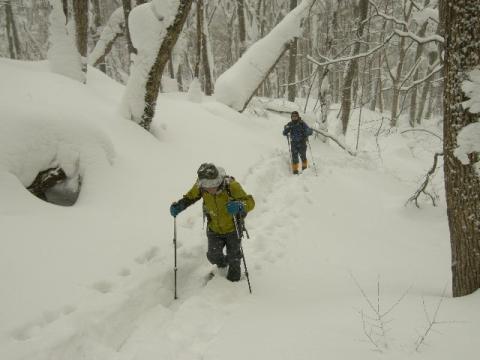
(348, 58)
(387, 17)
(426, 181)
(417, 82)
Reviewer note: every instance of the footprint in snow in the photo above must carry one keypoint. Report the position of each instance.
(124, 272)
(103, 287)
(148, 256)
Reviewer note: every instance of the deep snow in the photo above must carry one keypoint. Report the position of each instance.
(95, 280)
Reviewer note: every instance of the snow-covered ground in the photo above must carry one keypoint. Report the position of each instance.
(95, 280)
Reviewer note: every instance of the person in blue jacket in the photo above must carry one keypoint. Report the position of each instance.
(298, 132)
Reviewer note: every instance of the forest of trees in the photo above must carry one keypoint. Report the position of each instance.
(394, 56)
(357, 53)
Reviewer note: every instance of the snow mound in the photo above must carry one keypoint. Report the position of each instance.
(28, 146)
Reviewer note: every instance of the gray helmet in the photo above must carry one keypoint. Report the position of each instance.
(209, 175)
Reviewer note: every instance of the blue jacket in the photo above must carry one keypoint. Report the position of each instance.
(298, 130)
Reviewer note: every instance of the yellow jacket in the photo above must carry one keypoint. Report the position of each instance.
(215, 205)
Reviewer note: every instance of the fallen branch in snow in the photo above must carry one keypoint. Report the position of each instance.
(422, 188)
(338, 141)
(424, 130)
(45, 180)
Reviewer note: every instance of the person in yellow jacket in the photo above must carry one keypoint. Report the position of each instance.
(223, 198)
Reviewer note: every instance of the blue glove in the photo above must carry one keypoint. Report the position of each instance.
(235, 207)
(176, 209)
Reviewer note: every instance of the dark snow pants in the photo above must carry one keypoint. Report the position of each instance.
(299, 148)
(216, 244)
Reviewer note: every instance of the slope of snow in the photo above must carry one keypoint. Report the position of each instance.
(95, 280)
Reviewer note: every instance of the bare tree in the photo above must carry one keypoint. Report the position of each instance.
(292, 63)
(352, 66)
(461, 27)
(80, 11)
(413, 97)
(12, 32)
(127, 7)
(242, 33)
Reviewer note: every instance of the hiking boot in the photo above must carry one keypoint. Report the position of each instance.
(234, 272)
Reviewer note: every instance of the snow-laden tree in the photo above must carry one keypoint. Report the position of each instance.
(154, 29)
(111, 32)
(63, 55)
(236, 86)
(461, 24)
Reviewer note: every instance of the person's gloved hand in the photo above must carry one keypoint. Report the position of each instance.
(176, 209)
(235, 207)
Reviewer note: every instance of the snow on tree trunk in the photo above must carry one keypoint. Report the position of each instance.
(461, 24)
(62, 54)
(236, 86)
(154, 29)
(110, 33)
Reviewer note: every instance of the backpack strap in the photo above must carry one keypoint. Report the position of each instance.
(226, 185)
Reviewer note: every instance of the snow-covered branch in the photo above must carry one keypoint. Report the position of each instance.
(418, 39)
(336, 140)
(419, 81)
(113, 29)
(387, 17)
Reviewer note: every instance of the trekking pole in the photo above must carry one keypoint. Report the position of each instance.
(290, 151)
(239, 223)
(175, 256)
(313, 160)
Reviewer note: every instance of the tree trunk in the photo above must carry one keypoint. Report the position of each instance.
(12, 32)
(352, 66)
(461, 24)
(80, 12)
(413, 97)
(127, 7)
(65, 10)
(292, 63)
(98, 21)
(199, 37)
(180, 78)
(427, 87)
(242, 33)
(207, 72)
(155, 74)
